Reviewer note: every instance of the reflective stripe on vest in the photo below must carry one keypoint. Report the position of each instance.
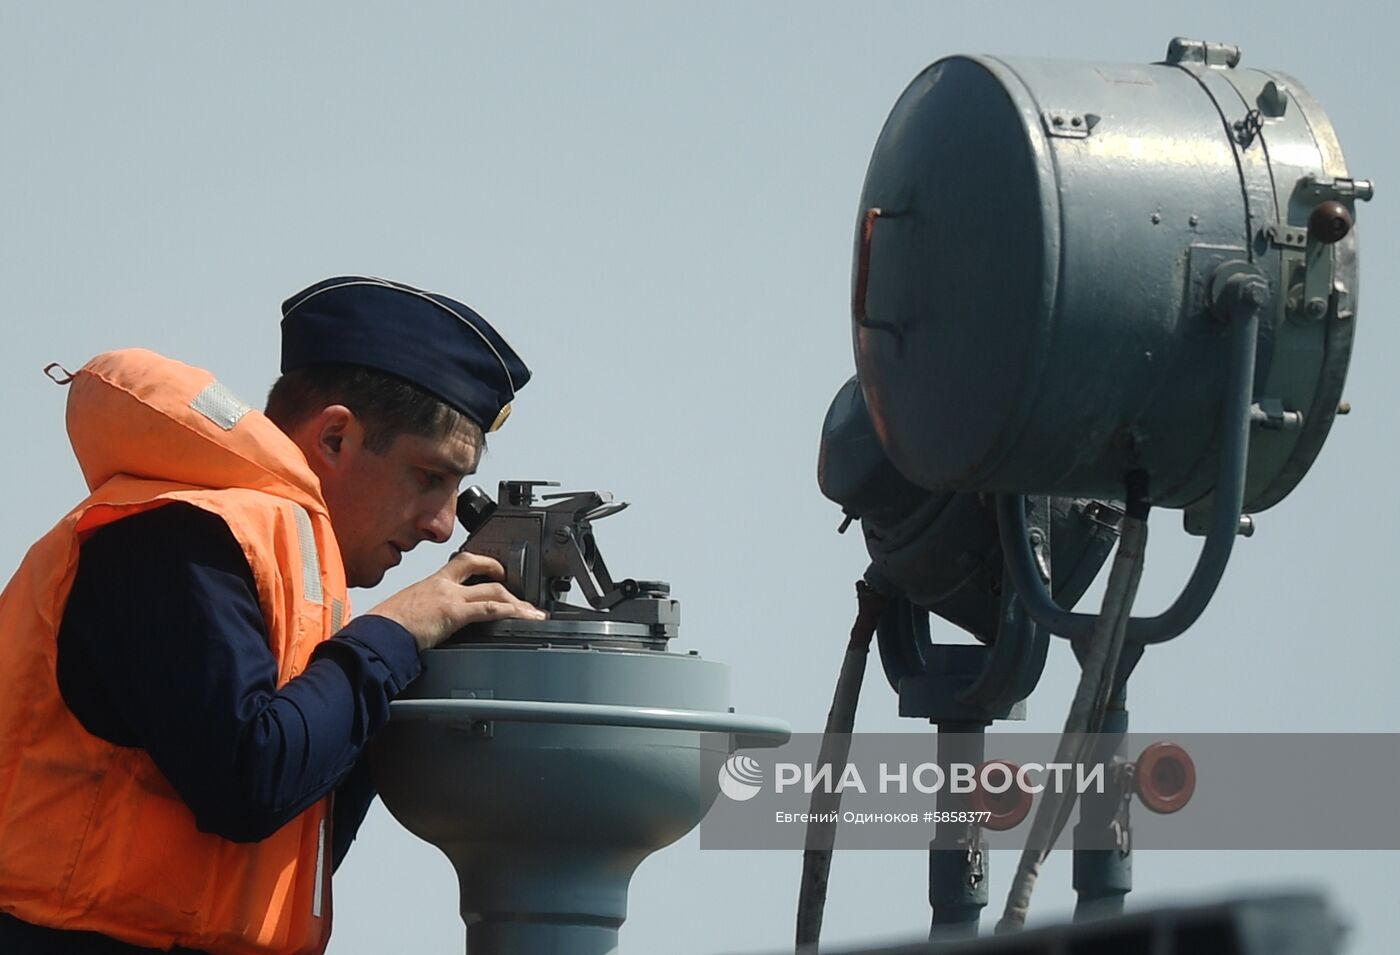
(310, 561)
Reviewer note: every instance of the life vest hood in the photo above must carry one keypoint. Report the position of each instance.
(133, 412)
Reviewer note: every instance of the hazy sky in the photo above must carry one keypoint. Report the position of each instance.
(655, 203)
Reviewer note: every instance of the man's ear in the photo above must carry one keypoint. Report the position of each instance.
(332, 433)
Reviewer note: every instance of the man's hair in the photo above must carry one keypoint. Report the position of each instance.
(386, 405)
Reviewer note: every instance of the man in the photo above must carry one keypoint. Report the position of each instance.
(184, 696)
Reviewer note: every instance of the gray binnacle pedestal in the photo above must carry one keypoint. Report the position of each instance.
(547, 773)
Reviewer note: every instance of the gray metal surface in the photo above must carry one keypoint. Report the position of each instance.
(1300, 924)
(1032, 297)
(563, 632)
(1280, 924)
(941, 550)
(753, 730)
(546, 774)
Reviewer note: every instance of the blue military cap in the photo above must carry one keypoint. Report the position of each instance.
(436, 343)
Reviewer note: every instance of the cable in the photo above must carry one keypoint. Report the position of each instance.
(836, 748)
(1091, 697)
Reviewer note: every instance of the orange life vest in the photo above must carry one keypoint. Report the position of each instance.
(92, 836)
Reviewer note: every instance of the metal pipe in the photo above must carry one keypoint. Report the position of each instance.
(1091, 698)
(1220, 540)
(1103, 877)
(957, 869)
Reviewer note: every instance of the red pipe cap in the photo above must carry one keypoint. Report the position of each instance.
(1165, 777)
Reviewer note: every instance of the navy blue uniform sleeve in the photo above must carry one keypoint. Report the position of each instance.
(352, 801)
(163, 646)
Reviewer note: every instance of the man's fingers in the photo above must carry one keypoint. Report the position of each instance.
(433, 609)
(465, 565)
(493, 602)
(483, 611)
(480, 593)
(488, 610)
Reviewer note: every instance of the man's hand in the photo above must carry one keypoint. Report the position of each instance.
(437, 607)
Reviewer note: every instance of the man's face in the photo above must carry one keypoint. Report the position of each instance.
(382, 505)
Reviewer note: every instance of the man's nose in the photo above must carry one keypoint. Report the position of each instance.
(437, 526)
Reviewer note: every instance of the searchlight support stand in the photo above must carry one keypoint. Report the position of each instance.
(957, 856)
(962, 689)
(1104, 877)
